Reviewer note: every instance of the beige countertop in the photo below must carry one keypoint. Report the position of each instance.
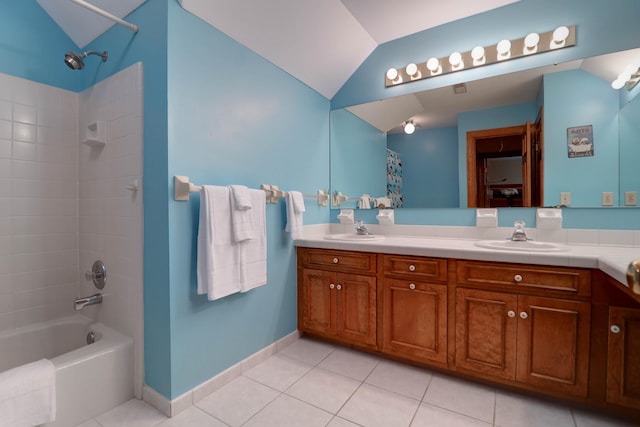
(613, 260)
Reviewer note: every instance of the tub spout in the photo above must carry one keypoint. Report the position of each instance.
(81, 303)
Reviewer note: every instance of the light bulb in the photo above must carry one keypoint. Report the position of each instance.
(531, 40)
(504, 47)
(409, 128)
(477, 53)
(392, 74)
(618, 84)
(433, 64)
(624, 76)
(455, 59)
(630, 69)
(412, 69)
(560, 34)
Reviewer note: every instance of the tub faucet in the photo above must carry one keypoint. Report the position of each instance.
(81, 303)
(519, 234)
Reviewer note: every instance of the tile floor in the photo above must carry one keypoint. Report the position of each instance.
(312, 383)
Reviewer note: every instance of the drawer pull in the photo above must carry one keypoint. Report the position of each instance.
(615, 329)
(518, 278)
(511, 313)
(339, 287)
(331, 286)
(336, 260)
(412, 267)
(523, 314)
(412, 286)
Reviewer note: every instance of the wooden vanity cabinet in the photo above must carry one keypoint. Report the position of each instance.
(514, 333)
(623, 369)
(414, 308)
(337, 295)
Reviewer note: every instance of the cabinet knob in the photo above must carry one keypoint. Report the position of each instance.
(336, 260)
(412, 267)
(412, 286)
(339, 287)
(511, 313)
(523, 314)
(615, 329)
(331, 286)
(517, 278)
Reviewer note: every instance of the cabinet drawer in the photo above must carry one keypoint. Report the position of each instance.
(416, 268)
(562, 280)
(338, 260)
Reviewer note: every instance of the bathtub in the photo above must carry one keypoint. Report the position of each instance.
(90, 379)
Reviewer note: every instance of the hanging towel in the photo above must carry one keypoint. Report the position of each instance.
(242, 213)
(28, 395)
(253, 253)
(218, 266)
(295, 208)
(364, 202)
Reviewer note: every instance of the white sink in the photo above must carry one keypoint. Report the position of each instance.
(352, 237)
(525, 246)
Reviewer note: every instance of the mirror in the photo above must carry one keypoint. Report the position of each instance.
(428, 169)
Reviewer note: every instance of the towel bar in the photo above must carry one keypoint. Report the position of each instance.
(182, 187)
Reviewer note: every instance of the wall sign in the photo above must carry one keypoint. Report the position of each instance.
(580, 141)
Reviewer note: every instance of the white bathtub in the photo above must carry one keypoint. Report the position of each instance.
(90, 379)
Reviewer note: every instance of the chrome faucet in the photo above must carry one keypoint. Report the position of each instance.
(361, 229)
(519, 234)
(81, 303)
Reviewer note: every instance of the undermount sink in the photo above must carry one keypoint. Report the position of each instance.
(525, 246)
(352, 237)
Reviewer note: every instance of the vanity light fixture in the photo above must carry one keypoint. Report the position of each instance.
(629, 78)
(409, 127)
(533, 43)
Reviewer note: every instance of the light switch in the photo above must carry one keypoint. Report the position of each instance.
(565, 198)
(607, 198)
(630, 198)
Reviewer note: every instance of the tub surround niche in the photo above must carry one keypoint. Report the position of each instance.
(481, 314)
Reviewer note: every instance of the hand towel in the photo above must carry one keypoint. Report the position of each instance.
(364, 202)
(253, 253)
(28, 394)
(242, 213)
(218, 255)
(382, 202)
(295, 208)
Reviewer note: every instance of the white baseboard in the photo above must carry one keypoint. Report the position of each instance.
(173, 407)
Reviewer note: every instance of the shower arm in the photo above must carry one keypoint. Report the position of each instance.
(106, 14)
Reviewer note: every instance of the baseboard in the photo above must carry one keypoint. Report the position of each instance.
(173, 407)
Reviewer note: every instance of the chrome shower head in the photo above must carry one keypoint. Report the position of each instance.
(75, 62)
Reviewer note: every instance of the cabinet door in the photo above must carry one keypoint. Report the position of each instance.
(553, 343)
(356, 307)
(486, 332)
(415, 319)
(318, 312)
(623, 371)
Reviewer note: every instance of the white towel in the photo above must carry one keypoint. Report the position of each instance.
(295, 208)
(242, 213)
(253, 253)
(28, 395)
(218, 254)
(364, 202)
(382, 201)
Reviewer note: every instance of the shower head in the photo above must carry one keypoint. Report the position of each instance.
(75, 62)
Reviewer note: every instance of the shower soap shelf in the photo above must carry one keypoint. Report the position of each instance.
(96, 134)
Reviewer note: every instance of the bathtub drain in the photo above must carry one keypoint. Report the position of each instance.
(91, 338)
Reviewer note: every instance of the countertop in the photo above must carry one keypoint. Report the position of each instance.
(613, 260)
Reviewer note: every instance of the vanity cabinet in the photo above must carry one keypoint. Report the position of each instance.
(623, 370)
(337, 295)
(414, 308)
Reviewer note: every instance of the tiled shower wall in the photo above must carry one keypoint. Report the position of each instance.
(65, 204)
(110, 214)
(38, 202)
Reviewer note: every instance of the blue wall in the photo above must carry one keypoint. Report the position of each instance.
(577, 98)
(234, 118)
(429, 167)
(358, 157)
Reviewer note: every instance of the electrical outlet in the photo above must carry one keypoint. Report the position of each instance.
(607, 198)
(565, 198)
(630, 198)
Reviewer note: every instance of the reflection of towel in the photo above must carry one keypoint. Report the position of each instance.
(295, 208)
(218, 269)
(242, 213)
(253, 253)
(364, 202)
(28, 394)
(382, 202)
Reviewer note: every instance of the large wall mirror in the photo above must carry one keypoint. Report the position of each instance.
(582, 141)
